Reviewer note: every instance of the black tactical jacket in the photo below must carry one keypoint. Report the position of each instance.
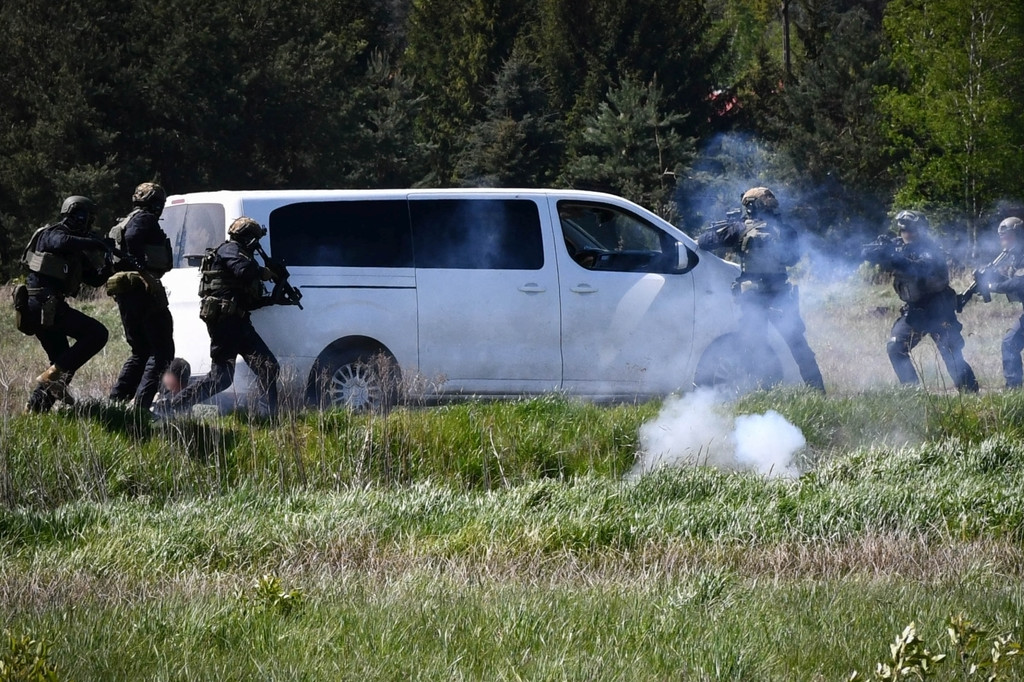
(919, 269)
(145, 240)
(84, 260)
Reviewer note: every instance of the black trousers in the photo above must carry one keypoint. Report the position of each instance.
(934, 317)
(230, 337)
(89, 335)
(781, 308)
(149, 331)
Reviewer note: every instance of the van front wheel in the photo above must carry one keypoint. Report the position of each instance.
(358, 380)
(737, 367)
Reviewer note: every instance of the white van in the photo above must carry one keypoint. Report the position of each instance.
(481, 292)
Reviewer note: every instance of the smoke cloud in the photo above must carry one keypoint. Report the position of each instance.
(699, 429)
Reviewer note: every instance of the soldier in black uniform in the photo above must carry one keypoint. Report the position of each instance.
(1005, 275)
(231, 286)
(141, 299)
(921, 279)
(60, 258)
(766, 247)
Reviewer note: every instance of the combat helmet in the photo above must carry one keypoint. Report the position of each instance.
(758, 201)
(151, 196)
(246, 230)
(78, 212)
(1011, 225)
(911, 221)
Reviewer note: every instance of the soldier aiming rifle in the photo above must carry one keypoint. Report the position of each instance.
(1005, 275)
(920, 276)
(767, 246)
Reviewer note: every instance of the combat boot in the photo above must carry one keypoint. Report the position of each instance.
(54, 381)
(40, 400)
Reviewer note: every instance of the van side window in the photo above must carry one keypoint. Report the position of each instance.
(602, 237)
(474, 234)
(342, 234)
(192, 228)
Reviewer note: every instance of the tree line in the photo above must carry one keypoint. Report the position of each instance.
(846, 108)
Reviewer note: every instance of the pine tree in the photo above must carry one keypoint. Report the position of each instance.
(518, 144)
(632, 147)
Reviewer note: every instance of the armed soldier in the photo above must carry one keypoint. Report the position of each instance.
(60, 257)
(766, 247)
(1005, 275)
(141, 299)
(231, 286)
(921, 279)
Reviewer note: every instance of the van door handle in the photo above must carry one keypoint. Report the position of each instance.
(532, 288)
(583, 288)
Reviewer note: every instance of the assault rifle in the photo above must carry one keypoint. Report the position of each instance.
(883, 248)
(732, 217)
(283, 292)
(984, 278)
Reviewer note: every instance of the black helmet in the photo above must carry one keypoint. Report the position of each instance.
(78, 212)
(246, 230)
(759, 200)
(911, 221)
(1011, 224)
(150, 195)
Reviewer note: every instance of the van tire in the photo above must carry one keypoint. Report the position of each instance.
(735, 367)
(359, 379)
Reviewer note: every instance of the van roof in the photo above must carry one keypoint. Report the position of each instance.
(308, 194)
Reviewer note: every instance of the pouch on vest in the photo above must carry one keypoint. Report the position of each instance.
(48, 264)
(125, 283)
(48, 312)
(24, 320)
(159, 258)
(213, 310)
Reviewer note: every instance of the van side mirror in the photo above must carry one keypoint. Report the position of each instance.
(686, 259)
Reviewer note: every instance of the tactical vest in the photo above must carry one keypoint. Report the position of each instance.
(157, 257)
(216, 280)
(912, 289)
(67, 271)
(762, 250)
(1014, 270)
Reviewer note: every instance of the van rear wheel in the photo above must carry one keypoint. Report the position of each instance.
(358, 380)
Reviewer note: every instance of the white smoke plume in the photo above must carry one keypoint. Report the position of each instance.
(699, 429)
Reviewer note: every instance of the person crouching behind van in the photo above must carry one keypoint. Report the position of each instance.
(141, 299)
(60, 258)
(231, 286)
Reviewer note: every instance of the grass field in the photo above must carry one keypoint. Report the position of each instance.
(504, 541)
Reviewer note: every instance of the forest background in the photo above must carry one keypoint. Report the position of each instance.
(848, 109)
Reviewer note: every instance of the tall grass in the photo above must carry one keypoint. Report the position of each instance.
(502, 540)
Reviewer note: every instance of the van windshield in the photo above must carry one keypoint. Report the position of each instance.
(192, 228)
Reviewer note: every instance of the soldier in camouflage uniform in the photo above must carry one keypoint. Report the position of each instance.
(141, 299)
(766, 247)
(60, 258)
(231, 286)
(921, 280)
